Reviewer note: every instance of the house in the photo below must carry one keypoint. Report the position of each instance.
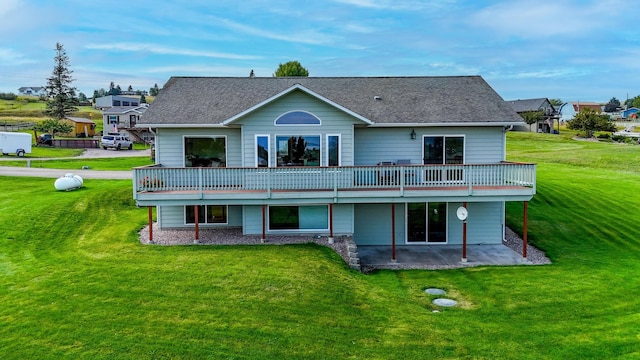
(82, 127)
(569, 109)
(630, 113)
(387, 161)
(108, 101)
(32, 90)
(549, 116)
(119, 118)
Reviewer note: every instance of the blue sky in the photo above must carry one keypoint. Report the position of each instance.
(587, 50)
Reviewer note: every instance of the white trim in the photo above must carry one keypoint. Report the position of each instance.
(327, 149)
(255, 149)
(226, 144)
(275, 122)
(289, 90)
(370, 125)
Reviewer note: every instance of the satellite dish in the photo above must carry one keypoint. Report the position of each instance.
(462, 213)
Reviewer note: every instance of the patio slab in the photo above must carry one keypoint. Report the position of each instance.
(438, 256)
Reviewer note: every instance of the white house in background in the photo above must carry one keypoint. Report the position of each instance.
(117, 101)
(122, 118)
(32, 90)
(385, 160)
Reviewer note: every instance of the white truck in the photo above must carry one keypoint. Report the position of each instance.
(14, 142)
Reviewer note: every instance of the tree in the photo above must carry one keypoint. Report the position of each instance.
(556, 102)
(588, 121)
(532, 117)
(61, 95)
(291, 68)
(143, 99)
(54, 126)
(130, 88)
(154, 90)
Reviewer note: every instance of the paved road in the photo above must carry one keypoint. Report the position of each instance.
(85, 174)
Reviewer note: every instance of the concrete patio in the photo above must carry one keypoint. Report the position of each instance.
(438, 256)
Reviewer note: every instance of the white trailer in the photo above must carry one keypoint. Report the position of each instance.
(14, 142)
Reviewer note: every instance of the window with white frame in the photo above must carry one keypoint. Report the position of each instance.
(297, 118)
(298, 150)
(207, 214)
(333, 150)
(262, 150)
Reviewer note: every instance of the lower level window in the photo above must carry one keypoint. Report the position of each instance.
(207, 214)
(299, 217)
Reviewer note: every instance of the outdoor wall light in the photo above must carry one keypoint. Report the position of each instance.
(413, 134)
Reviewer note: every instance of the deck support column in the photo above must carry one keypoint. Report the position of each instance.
(393, 233)
(150, 224)
(263, 238)
(524, 230)
(464, 237)
(330, 223)
(197, 238)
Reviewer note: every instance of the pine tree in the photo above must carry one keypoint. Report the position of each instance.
(61, 95)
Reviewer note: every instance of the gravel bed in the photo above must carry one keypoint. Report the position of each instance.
(233, 236)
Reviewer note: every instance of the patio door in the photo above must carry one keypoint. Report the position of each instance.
(427, 223)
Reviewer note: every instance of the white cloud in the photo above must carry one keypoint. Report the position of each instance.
(157, 49)
(10, 57)
(397, 4)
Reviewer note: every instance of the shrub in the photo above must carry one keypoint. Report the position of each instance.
(8, 96)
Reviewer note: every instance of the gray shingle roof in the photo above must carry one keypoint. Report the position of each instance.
(412, 100)
(525, 105)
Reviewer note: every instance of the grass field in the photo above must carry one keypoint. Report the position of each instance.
(76, 283)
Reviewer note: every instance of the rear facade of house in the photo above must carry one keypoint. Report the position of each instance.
(378, 159)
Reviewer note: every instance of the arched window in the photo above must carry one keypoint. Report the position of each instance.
(297, 118)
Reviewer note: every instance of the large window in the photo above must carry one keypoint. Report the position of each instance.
(205, 152)
(444, 150)
(299, 217)
(209, 214)
(300, 150)
(427, 222)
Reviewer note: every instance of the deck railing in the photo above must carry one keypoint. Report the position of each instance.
(505, 174)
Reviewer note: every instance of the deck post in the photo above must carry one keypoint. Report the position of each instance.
(150, 224)
(197, 239)
(393, 233)
(524, 230)
(464, 237)
(330, 223)
(263, 238)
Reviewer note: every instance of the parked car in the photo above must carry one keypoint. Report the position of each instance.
(117, 141)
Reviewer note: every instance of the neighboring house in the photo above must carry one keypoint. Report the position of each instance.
(550, 117)
(82, 127)
(386, 160)
(116, 101)
(569, 109)
(32, 90)
(630, 113)
(121, 118)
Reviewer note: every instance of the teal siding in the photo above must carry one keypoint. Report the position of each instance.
(170, 145)
(484, 224)
(342, 221)
(373, 145)
(173, 217)
(261, 122)
(372, 224)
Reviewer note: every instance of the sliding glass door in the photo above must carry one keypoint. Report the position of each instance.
(427, 222)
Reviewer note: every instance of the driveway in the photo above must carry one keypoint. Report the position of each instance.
(85, 174)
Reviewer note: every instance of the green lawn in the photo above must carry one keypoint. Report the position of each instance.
(76, 283)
